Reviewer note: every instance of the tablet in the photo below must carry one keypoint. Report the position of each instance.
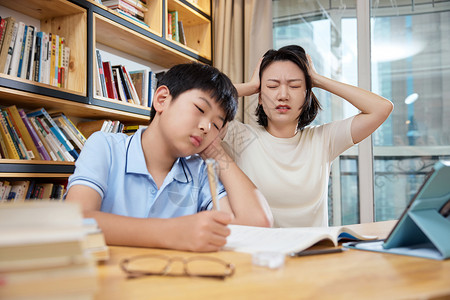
(423, 228)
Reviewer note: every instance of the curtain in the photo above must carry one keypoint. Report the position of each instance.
(242, 34)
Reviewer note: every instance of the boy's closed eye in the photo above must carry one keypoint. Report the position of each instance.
(203, 111)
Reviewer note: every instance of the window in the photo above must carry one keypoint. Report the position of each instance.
(410, 65)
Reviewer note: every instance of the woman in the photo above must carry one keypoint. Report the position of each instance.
(288, 160)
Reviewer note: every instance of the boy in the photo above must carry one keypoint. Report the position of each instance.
(150, 189)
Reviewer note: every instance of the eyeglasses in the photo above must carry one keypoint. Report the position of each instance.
(161, 265)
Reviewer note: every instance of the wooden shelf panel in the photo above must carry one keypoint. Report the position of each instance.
(32, 101)
(136, 44)
(43, 9)
(196, 26)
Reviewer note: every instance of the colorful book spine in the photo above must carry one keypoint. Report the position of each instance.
(56, 131)
(35, 137)
(23, 131)
(10, 147)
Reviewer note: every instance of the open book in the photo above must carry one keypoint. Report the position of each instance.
(286, 240)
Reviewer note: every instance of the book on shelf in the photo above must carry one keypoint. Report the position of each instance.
(3, 149)
(23, 131)
(55, 130)
(18, 190)
(119, 86)
(139, 79)
(252, 239)
(42, 134)
(22, 152)
(25, 55)
(175, 30)
(69, 129)
(25, 39)
(15, 57)
(181, 34)
(53, 140)
(131, 17)
(109, 81)
(128, 80)
(126, 86)
(101, 73)
(6, 136)
(43, 252)
(169, 26)
(2, 30)
(43, 153)
(125, 7)
(6, 43)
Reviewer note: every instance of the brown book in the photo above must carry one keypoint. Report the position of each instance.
(10, 21)
(10, 148)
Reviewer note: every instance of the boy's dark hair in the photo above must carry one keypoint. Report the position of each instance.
(297, 55)
(184, 77)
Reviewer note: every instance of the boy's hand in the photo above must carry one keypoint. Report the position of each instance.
(203, 232)
(214, 150)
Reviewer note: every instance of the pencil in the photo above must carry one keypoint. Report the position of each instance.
(212, 178)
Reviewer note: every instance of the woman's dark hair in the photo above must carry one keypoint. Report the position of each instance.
(297, 55)
(184, 77)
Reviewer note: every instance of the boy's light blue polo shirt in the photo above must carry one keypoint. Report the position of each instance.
(114, 165)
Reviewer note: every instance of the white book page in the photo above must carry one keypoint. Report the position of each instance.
(251, 239)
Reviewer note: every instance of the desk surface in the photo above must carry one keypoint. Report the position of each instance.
(352, 274)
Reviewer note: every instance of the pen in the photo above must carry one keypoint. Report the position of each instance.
(314, 252)
(212, 178)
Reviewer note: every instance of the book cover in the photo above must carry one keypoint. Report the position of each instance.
(22, 51)
(67, 131)
(14, 136)
(137, 78)
(3, 149)
(181, 33)
(24, 72)
(6, 44)
(43, 137)
(118, 82)
(31, 55)
(55, 129)
(71, 126)
(10, 147)
(15, 57)
(109, 81)
(53, 139)
(22, 131)
(101, 73)
(37, 58)
(45, 58)
(34, 136)
(175, 30)
(125, 84)
(134, 94)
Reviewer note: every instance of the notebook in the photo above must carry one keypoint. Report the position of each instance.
(423, 229)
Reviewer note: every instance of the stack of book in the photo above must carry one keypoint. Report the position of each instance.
(37, 135)
(43, 252)
(116, 82)
(134, 9)
(28, 54)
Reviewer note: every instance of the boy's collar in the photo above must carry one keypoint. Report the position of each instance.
(136, 161)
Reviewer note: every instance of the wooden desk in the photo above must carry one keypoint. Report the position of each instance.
(352, 274)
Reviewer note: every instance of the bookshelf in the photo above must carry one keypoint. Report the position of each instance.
(83, 24)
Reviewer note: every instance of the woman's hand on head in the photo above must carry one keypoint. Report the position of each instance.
(312, 71)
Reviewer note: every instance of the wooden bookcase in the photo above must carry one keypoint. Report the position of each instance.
(84, 23)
